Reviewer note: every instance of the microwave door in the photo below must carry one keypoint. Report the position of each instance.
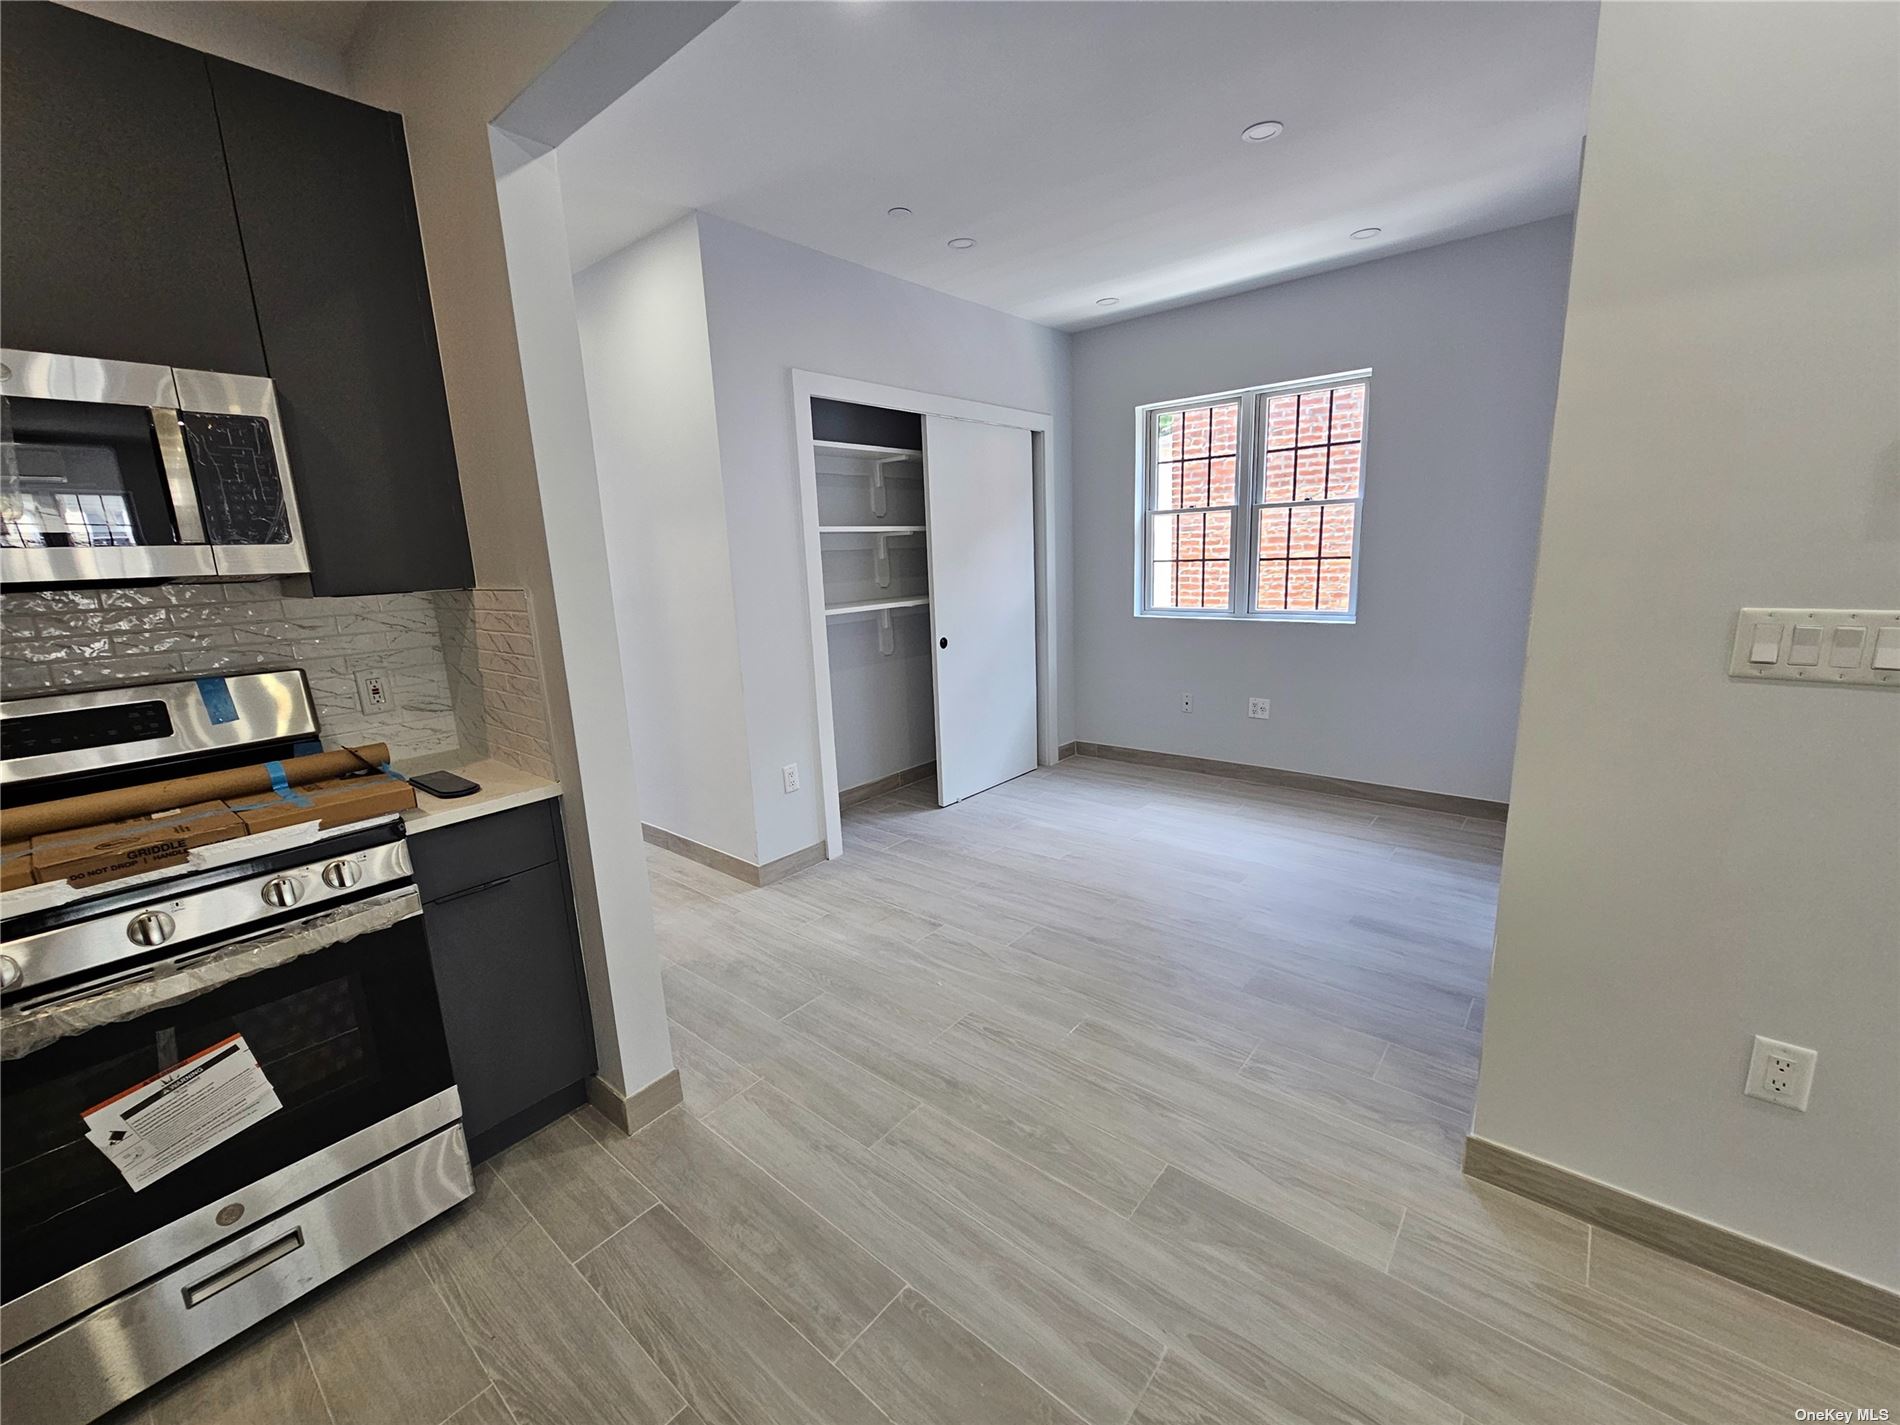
(93, 481)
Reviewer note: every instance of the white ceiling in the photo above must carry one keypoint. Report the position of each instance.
(1093, 149)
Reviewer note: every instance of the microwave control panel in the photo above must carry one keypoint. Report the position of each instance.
(240, 489)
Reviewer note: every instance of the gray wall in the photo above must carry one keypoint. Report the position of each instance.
(773, 307)
(1463, 343)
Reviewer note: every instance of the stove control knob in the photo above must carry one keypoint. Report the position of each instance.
(10, 975)
(282, 892)
(341, 875)
(154, 927)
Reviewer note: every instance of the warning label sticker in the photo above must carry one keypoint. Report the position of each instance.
(159, 1125)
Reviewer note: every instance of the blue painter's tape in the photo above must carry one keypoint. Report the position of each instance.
(216, 695)
(280, 784)
(385, 767)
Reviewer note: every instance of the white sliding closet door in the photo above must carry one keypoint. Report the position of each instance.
(979, 494)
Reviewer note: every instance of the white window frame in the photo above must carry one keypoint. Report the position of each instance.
(1243, 546)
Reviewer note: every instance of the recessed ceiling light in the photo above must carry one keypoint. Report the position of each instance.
(897, 212)
(1262, 131)
(960, 243)
(1361, 234)
(1106, 301)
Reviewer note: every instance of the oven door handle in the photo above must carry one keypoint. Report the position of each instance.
(178, 482)
(199, 1293)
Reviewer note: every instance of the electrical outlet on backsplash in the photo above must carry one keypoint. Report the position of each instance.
(60, 639)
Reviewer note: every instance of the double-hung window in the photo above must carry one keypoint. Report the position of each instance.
(1251, 501)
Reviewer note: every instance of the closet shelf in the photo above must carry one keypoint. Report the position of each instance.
(870, 529)
(871, 606)
(866, 452)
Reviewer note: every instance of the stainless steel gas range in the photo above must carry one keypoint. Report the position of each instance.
(220, 1084)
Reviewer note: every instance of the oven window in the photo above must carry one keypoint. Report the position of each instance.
(79, 474)
(346, 1036)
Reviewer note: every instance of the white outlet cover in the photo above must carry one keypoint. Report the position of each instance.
(1258, 707)
(373, 693)
(1781, 1073)
(1187, 702)
(790, 772)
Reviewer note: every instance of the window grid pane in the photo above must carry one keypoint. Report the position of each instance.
(1304, 558)
(1307, 516)
(1197, 457)
(1191, 556)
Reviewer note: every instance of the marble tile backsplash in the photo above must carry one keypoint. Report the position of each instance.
(495, 681)
(68, 639)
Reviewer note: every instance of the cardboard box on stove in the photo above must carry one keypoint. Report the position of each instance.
(16, 865)
(335, 802)
(125, 848)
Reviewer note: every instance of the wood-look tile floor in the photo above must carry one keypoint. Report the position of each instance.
(1111, 1095)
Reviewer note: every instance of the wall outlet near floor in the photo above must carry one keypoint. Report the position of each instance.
(1781, 1073)
(1187, 702)
(1257, 707)
(372, 690)
(790, 773)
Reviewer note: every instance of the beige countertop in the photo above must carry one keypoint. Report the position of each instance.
(503, 789)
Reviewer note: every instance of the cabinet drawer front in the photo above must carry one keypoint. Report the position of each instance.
(473, 853)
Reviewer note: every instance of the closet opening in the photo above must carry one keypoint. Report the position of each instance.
(925, 533)
(876, 578)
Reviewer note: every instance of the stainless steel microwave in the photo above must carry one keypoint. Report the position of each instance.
(117, 471)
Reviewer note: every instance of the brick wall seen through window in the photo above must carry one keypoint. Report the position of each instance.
(1252, 501)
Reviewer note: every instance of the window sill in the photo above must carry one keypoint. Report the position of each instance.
(1216, 616)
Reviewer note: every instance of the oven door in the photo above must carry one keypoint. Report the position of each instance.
(350, 1039)
(94, 481)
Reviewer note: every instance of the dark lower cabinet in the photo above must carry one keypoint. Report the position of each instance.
(506, 949)
(117, 238)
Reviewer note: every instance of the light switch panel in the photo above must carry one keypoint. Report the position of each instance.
(1850, 647)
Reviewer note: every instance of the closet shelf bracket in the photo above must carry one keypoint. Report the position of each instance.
(883, 562)
(877, 479)
(886, 640)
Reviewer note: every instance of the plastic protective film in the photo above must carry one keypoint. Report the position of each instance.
(30, 1027)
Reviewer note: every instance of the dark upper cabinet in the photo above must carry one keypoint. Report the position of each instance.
(328, 218)
(118, 238)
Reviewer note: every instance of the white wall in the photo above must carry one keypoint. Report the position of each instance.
(771, 307)
(623, 965)
(650, 388)
(1691, 860)
(1462, 341)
